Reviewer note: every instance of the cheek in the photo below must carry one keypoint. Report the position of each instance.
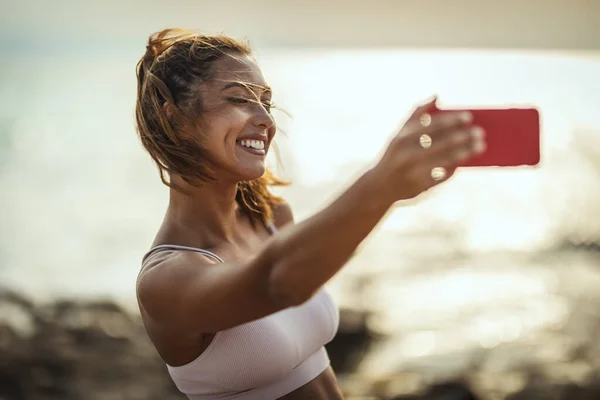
(237, 120)
(224, 125)
(234, 120)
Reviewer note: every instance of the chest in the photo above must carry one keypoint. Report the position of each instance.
(268, 349)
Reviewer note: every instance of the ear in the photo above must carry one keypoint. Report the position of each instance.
(168, 109)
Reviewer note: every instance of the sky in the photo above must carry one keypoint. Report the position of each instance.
(82, 200)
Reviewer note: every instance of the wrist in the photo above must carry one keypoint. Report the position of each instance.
(377, 191)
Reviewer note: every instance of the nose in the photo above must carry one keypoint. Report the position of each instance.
(262, 117)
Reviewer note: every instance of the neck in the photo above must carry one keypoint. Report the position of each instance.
(209, 209)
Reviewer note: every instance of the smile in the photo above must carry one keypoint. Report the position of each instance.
(255, 144)
(256, 147)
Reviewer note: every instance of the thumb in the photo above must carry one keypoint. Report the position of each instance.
(428, 106)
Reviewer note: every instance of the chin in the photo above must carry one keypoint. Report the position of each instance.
(251, 173)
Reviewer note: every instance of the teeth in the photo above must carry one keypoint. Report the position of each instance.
(255, 144)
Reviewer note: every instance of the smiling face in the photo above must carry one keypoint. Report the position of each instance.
(236, 122)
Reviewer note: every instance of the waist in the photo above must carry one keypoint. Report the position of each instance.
(305, 372)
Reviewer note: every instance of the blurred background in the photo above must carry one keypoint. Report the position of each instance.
(487, 287)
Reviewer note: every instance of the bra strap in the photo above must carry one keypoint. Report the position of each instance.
(170, 247)
(167, 247)
(271, 227)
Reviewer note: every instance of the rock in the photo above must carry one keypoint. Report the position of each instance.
(443, 391)
(96, 350)
(568, 391)
(77, 350)
(91, 350)
(352, 341)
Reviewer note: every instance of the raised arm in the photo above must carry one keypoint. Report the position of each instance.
(187, 291)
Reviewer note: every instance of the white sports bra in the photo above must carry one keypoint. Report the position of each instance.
(263, 359)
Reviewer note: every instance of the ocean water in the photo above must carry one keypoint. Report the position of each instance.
(81, 200)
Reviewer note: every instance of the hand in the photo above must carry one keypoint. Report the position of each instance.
(427, 151)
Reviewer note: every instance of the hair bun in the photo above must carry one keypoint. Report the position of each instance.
(160, 41)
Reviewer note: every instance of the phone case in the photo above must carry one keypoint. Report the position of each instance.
(512, 136)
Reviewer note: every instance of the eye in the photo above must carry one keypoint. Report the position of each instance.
(238, 100)
(268, 105)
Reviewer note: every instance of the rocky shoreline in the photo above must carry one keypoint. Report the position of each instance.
(72, 350)
(76, 350)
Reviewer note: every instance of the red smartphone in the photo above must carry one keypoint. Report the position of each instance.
(512, 136)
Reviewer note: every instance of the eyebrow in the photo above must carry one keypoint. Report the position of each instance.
(246, 86)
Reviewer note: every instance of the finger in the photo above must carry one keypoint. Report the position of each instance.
(416, 149)
(440, 174)
(437, 124)
(442, 125)
(449, 150)
(426, 178)
(430, 177)
(454, 148)
(428, 167)
(426, 107)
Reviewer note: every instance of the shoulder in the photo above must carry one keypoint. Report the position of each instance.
(282, 214)
(166, 277)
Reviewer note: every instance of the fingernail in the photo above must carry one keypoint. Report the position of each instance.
(466, 116)
(429, 102)
(479, 146)
(431, 99)
(477, 132)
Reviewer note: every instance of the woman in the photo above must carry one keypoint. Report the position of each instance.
(231, 294)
